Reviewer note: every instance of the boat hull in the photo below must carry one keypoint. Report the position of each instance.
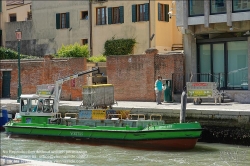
(181, 138)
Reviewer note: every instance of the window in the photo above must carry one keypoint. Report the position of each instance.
(84, 41)
(116, 15)
(163, 10)
(29, 16)
(241, 5)
(84, 15)
(62, 20)
(101, 16)
(218, 6)
(12, 17)
(227, 62)
(140, 12)
(196, 7)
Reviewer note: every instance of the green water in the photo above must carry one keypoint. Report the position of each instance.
(204, 154)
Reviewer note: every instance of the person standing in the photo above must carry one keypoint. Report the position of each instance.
(158, 89)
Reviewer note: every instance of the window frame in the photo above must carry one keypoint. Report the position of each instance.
(83, 13)
(60, 23)
(101, 19)
(233, 9)
(84, 41)
(12, 15)
(163, 10)
(140, 16)
(189, 15)
(211, 13)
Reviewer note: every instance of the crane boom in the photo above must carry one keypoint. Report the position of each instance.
(58, 85)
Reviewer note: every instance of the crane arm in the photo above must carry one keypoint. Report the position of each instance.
(58, 85)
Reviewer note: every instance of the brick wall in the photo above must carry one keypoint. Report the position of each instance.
(46, 71)
(133, 76)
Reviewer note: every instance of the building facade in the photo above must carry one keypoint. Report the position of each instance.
(217, 43)
(95, 22)
(146, 21)
(2, 21)
(18, 10)
(52, 25)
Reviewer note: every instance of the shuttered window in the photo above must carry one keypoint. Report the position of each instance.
(115, 15)
(62, 20)
(163, 10)
(140, 12)
(101, 16)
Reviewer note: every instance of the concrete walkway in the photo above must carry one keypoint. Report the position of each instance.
(134, 105)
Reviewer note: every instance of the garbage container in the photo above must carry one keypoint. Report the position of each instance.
(168, 91)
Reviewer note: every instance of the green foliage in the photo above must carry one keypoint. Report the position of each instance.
(119, 46)
(6, 53)
(75, 50)
(99, 58)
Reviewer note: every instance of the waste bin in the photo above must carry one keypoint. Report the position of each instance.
(168, 91)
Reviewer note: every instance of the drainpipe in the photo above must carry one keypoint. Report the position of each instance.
(149, 31)
(90, 29)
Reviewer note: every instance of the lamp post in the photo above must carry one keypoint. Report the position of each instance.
(19, 37)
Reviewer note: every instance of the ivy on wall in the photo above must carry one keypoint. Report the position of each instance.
(119, 46)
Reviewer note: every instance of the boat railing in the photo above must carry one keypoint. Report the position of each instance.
(58, 115)
(69, 116)
(138, 116)
(112, 115)
(155, 115)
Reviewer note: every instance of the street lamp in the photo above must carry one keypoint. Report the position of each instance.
(19, 37)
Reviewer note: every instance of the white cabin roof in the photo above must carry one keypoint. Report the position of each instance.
(29, 96)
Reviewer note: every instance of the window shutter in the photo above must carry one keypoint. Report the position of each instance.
(166, 12)
(121, 13)
(134, 13)
(67, 20)
(159, 12)
(109, 15)
(146, 12)
(58, 21)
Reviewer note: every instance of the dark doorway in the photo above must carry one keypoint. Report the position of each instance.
(6, 84)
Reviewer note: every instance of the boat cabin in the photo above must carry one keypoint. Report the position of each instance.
(35, 105)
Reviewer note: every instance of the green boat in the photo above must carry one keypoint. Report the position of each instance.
(39, 116)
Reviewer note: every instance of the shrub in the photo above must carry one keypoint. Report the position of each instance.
(119, 46)
(75, 50)
(6, 53)
(99, 58)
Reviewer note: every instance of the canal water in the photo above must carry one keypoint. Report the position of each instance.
(80, 153)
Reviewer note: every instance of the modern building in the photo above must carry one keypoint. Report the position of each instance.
(217, 43)
(146, 21)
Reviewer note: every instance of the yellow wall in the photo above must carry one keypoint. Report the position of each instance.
(166, 33)
(21, 11)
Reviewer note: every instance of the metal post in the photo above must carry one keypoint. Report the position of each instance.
(19, 90)
(183, 106)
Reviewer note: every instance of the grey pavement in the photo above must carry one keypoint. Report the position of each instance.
(232, 106)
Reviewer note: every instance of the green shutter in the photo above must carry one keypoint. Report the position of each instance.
(58, 21)
(166, 12)
(67, 20)
(121, 10)
(159, 12)
(146, 12)
(134, 13)
(109, 15)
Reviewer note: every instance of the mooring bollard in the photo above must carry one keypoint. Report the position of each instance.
(183, 106)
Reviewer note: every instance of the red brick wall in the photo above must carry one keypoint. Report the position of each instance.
(133, 76)
(46, 71)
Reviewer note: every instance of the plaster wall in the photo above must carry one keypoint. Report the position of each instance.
(20, 10)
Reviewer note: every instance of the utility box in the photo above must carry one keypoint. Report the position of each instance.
(167, 91)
